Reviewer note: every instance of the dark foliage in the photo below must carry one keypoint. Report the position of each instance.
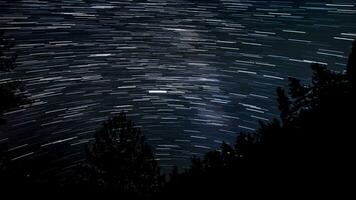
(119, 161)
(7, 55)
(12, 174)
(10, 91)
(351, 63)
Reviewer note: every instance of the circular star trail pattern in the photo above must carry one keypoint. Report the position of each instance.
(190, 73)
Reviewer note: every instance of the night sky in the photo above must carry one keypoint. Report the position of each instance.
(191, 73)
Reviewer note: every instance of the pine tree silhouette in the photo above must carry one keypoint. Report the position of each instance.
(13, 175)
(119, 161)
(352, 63)
(10, 91)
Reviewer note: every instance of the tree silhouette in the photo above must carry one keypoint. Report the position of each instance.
(12, 174)
(119, 161)
(10, 91)
(283, 104)
(352, 63)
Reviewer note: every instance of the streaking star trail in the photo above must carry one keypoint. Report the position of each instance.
(191, 73)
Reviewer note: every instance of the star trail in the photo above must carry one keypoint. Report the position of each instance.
(191, 73)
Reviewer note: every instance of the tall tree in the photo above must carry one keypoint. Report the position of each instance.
(11, 96)
(10, 91)
(352, 63)
(120, 161)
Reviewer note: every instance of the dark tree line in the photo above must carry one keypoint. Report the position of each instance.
(309, 146)
(309, 150)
